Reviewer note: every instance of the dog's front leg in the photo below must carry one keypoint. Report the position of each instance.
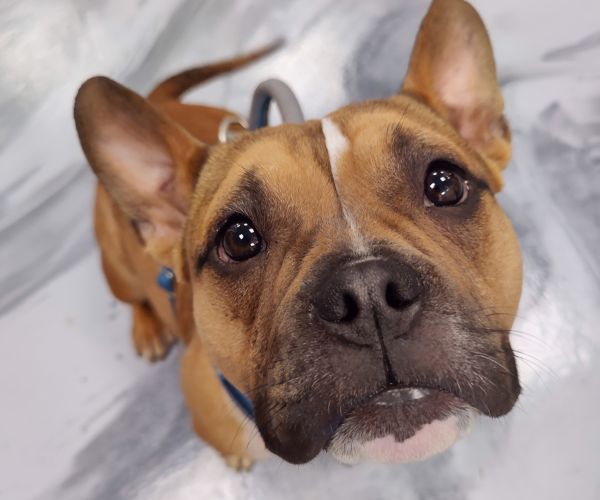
(215, 417)
(150, 338)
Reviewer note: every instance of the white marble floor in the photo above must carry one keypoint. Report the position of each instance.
(82, 417)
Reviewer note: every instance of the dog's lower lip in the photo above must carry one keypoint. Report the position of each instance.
(404, 398)
(397, 410)
(399, 396)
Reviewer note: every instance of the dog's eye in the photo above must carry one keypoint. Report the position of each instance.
(239, 240)
(445, 185)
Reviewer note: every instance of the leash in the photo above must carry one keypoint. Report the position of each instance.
(266, 92)
(289, 108)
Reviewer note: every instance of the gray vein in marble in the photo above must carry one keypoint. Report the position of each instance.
(147, 436)
(336, 52)
(567, 155)
(381, 57)
(588, 42)
(50, 236)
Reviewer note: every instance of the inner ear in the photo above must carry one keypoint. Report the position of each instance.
(452, 70)
(147, 163)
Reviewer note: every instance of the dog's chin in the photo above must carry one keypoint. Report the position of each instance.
(401, 425)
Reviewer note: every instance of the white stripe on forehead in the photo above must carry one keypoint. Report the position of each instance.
(337, 144)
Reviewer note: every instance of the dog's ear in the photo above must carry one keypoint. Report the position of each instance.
(452, 70)
(147, 163)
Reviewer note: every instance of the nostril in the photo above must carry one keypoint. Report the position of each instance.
(394, 298)
(351, 308)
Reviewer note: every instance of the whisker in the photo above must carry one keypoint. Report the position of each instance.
(492, 360)
(535, 363)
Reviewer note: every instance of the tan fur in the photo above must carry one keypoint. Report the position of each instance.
(131, 272)
(227, 323)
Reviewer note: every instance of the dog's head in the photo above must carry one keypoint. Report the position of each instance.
(355, 276)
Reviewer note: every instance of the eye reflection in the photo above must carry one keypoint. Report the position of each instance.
(445, 185)
(239, 241)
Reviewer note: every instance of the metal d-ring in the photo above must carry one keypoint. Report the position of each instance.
(225, 133)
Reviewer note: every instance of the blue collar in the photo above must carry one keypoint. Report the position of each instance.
(166, 280)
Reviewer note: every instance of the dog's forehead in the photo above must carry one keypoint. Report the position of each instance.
(372, 129)
(283, 169)
(290, 162)
(304, 168)
(287, 150)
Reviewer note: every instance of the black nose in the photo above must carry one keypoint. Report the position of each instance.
(365, 300)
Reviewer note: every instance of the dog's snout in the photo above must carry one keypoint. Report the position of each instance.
(363, 300)
(365, 288)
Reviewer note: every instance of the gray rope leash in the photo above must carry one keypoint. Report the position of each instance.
(267, 92)
(281, 93)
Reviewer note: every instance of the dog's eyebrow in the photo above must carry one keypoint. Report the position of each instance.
(410, 150)
(250, 199)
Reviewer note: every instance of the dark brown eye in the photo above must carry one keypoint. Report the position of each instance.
(445, 185)
(239, 240)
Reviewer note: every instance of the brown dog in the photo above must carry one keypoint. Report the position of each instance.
(354, 277)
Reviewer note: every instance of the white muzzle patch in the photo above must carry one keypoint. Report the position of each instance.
(429, 440)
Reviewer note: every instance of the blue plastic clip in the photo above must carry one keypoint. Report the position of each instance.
(166, 279)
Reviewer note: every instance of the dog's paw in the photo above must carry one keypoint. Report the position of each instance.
(239, 463)
(149, 339)
(153, 348)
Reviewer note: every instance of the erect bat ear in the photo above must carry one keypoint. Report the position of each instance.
(146, 162)
(452, 70)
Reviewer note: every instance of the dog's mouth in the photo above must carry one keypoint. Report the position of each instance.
(401, 396)
(401, 424)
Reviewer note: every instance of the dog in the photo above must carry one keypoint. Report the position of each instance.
(346, 284)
